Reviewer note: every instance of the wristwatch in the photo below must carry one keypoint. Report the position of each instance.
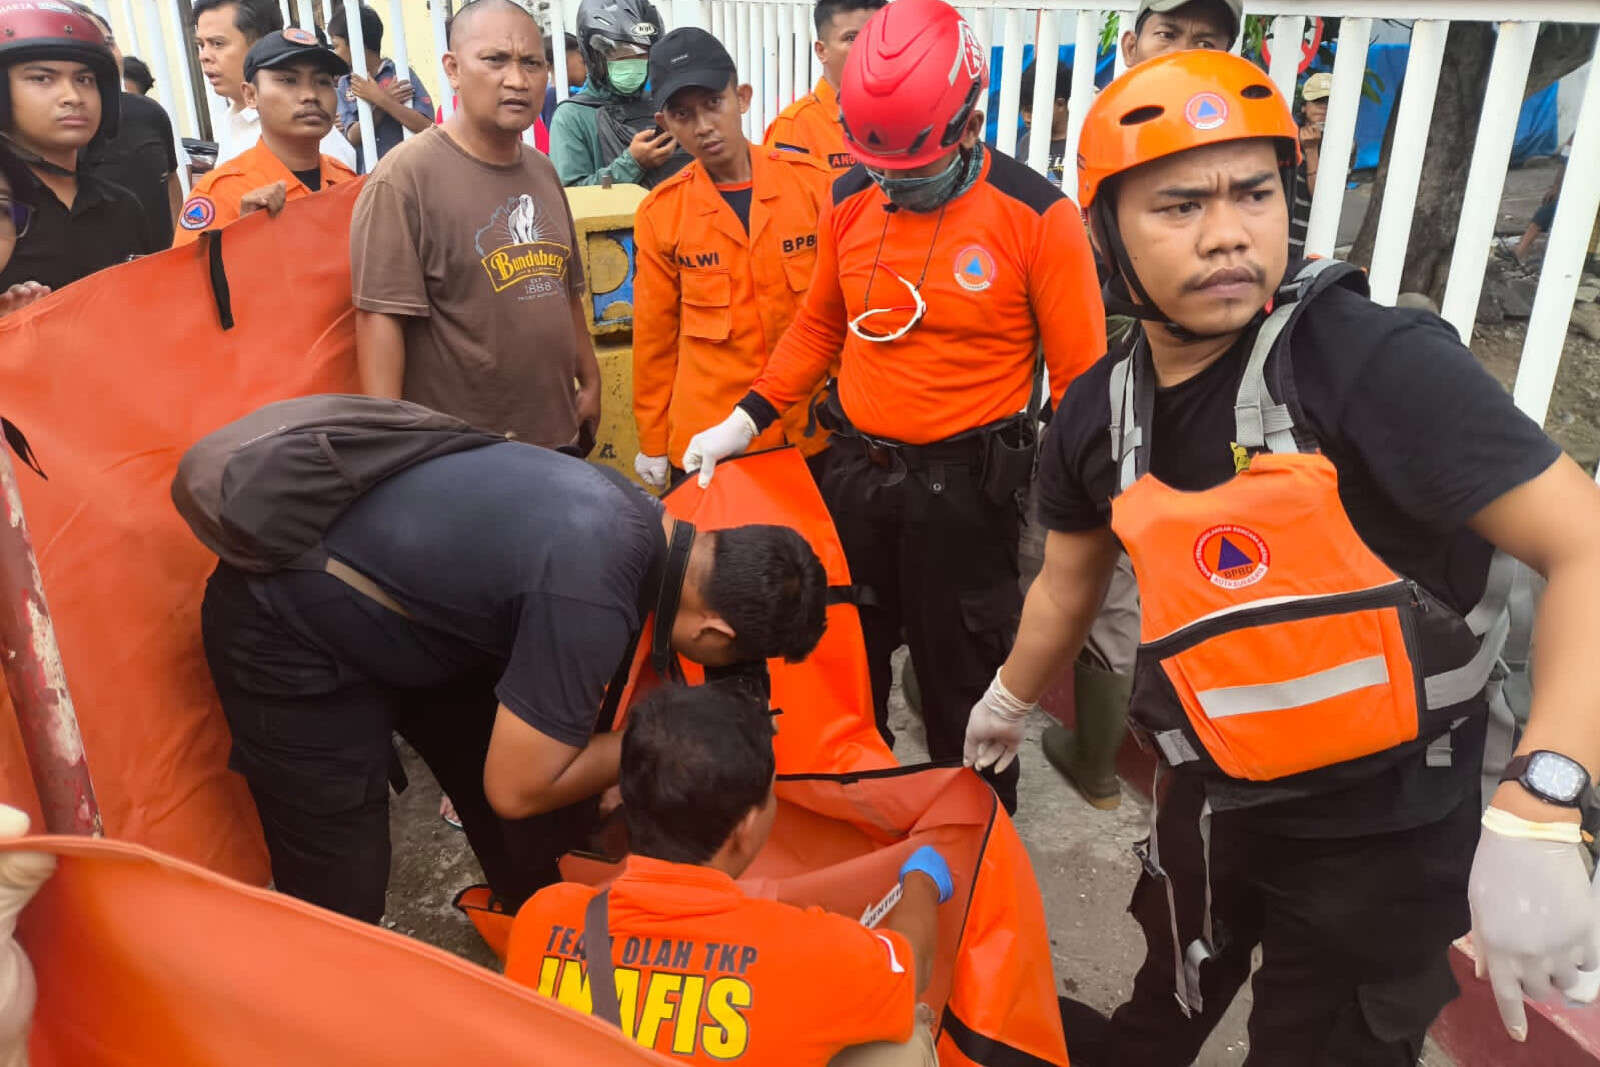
(1550, 776)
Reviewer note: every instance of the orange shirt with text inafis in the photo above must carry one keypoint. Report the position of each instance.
(215, 200)
(811, 124)
(707, 974)
(1001, 268)
(711, 300)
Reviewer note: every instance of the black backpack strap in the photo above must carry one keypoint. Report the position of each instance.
(597, 953)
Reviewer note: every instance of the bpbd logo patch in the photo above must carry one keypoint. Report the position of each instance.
(198, 212)
(1231, 556)
(1206, 111)
(974, 269)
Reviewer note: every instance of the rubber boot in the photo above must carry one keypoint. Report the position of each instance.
(1087, 757)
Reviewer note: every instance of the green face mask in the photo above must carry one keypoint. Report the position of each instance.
(627, 76)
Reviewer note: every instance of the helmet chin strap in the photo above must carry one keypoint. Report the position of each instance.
(1124, 284)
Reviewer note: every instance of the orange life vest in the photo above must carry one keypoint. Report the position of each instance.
(1274, 642)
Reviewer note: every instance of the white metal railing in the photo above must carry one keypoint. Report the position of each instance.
(771, 41)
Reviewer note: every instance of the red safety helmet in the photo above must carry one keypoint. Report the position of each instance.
(914, 74)
(51, 29)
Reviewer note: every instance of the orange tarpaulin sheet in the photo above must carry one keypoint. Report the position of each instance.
(838, 842)
(142, 959)
(111, 379)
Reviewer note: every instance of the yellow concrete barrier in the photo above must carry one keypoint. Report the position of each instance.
(603, 219)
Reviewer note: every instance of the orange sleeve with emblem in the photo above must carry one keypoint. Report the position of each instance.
(656, 314)
(223, 194)
(1065, 292)
(871, 980)
(812, 341)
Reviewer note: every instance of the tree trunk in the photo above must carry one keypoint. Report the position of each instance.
(1463, 79)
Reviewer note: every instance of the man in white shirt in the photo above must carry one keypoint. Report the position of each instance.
(224, 30)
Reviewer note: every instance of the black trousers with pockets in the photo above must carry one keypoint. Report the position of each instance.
(940, 557)
(1354, 935)
(314, 679)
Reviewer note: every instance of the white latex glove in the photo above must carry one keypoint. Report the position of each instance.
(21, 875)
(652, 470)
(709, 447)
(1533, 920)
(994, 728)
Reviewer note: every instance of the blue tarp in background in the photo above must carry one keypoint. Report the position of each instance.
(1536, 128)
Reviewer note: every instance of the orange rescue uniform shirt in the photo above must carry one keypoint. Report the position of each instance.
(811, 124)
(1002, 267)
(712, 301)
(708, 974)
(215, 200)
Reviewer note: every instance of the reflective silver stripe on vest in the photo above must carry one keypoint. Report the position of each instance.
(1295, 692)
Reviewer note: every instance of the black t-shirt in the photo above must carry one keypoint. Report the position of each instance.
(533, 557)
(139, 159)
(105, 226)
(311, 179)
(738, 198)
(1422, 438)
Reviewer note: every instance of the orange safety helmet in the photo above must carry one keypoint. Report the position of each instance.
(1161, 107)
(1176, 102)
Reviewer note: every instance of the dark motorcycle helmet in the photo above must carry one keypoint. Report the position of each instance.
(50, 29)
(604, 25)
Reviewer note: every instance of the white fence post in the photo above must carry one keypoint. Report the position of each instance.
(786, 93)
(1486, 179)
(358, 66)
(1005, 139)
(132, 43)
(1085, 54)
(441, 44)
(769, 69)
(1563, 261)
(1046, 57)
(396, 32)
(182, 103)
(1405, 159)
(1338, 136)
(558, 48)
(1287, 33)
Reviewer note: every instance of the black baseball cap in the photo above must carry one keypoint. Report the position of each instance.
(688, 57)
(292, 45)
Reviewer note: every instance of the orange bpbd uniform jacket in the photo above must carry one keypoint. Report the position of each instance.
(712, 301)
(811, 124)
(215, 200)
(708, 974)
(1002, 267)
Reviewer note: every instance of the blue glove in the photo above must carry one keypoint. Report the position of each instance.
(927, 860)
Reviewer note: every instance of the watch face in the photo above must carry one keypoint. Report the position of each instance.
(1556, 777)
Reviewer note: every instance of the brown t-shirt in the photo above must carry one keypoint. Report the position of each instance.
(480, 260)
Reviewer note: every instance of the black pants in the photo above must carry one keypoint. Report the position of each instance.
(1354, 935)
(314, 679)
(940, 557)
